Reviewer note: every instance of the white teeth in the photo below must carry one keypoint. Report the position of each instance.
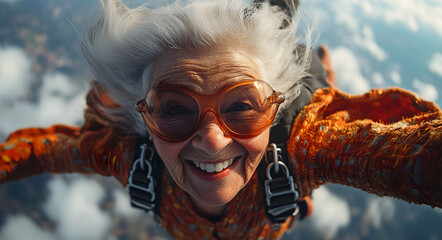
(210, 168)
(225, 164)
(218, 167)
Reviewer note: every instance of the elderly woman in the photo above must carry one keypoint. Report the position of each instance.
(239, 114)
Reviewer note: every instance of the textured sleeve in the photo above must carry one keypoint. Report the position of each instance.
(386, 142)
(98, 147)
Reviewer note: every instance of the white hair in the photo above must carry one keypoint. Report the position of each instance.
(122, 44)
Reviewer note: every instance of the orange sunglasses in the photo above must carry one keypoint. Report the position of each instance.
(243, 109)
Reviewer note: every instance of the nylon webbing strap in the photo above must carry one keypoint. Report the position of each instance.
(145, 178)
(275, 176)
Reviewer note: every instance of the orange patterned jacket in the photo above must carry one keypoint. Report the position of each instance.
(386, 142)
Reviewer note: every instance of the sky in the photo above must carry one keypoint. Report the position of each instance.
(373, 44)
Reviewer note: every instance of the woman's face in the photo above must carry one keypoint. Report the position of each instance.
(206, 73)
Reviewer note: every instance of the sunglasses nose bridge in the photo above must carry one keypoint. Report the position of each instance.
(216, 116)
(208, 104)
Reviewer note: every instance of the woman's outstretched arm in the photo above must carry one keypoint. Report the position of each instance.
(386, 142)
(98, 147)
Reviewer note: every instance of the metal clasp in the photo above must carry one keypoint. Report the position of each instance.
(271, 194)
(143, 165)
(279, 184)
(276, 152)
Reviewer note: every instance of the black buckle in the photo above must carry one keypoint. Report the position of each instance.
(280, 189)
(141, 182)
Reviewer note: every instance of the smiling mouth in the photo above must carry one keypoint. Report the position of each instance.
(214, 168)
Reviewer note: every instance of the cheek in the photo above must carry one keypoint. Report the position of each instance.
(168, 151)
(257, 145)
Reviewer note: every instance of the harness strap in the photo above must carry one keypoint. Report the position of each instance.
(280, 134)
(144, 183)
(275, 176)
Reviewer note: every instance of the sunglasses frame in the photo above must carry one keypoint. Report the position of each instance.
(211, 104)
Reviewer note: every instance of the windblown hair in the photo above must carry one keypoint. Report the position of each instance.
(122, 44)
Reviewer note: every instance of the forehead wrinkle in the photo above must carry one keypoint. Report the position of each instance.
(176, 73)
(204, 74)
(195, 79)
(217, 66)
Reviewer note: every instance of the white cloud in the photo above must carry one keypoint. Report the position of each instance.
(397, 16)
(378, 79)
(331, 212)
(410, 13)
(346, 16)
(59, 100)
(20, 227)
(15, 73)
(57, 84)
(123, 207)
(379, 210)
(435, 64)
(425, 90)
(368, 43)
(367, 7)
(348, 71)
(396, 77)
(75, 208)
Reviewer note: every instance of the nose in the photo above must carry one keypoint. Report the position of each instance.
(210, 136)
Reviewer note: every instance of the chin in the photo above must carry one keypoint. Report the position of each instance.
(213, 204)
(211, 197)
(216, 194)
(216, 200)
(218, 189)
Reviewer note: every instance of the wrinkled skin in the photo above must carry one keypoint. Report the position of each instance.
(205, 72)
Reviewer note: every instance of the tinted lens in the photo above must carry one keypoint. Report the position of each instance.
(172, 113)
(245, 109)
